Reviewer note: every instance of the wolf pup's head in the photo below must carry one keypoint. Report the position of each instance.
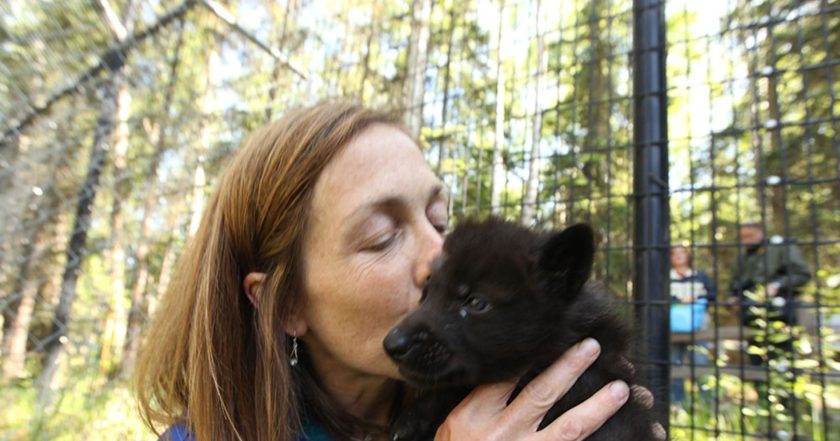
(491, 302)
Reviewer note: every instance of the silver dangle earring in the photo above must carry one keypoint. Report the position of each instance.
(293, 359)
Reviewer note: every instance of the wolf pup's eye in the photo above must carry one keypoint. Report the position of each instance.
(476, 304)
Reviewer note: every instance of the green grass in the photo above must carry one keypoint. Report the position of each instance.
(88, 408)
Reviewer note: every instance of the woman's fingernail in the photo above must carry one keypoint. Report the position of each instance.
(589, 347)
(620, 391)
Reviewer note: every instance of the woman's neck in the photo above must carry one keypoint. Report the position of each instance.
(368, 399)
(364, 396)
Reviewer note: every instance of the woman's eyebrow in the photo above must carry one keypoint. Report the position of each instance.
(383, 203)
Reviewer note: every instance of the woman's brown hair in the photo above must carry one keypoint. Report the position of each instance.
(210, 360)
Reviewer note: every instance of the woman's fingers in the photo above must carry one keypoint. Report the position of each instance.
(487, 399)
(484, 416)
(477, 416)
(584, 419)
(537, 397)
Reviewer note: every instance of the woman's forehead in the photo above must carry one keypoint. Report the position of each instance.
(375, 147)
(382, 162)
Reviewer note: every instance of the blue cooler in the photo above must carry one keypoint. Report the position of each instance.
(688, 317)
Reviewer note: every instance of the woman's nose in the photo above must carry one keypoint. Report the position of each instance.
(430, 244)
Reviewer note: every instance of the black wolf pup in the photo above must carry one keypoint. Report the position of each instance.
(504, 302)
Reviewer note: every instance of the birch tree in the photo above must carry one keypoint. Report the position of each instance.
(447, 78)
(157, 133)
(34, 270)
(115, 320)
(107, 93)
(416, 68)
(529, 203)
(497, 179)
(209, 105)
(291, 9)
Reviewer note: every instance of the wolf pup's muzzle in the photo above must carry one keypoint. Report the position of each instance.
(420, 356)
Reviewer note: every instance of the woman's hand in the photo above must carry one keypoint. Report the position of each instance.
(484, 415)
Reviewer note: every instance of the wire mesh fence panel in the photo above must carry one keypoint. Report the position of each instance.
(116, 118)
(751, 83)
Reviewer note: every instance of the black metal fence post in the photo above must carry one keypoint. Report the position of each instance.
(651, 229)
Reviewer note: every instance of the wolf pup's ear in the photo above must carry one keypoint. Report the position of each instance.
(566, 258)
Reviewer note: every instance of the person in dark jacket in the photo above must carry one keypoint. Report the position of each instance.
(777, 267)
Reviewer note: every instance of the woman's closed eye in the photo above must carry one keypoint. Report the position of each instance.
(438, 216)
(382, 241)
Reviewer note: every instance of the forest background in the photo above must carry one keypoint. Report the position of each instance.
(118, 115)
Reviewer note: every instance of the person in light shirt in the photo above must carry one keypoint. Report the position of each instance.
(688, 285)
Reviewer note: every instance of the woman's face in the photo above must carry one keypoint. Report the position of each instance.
(377, 220)
(679, 257)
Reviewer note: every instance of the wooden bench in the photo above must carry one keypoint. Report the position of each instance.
(716, 339)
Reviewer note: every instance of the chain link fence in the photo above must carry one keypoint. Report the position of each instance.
(116, 119)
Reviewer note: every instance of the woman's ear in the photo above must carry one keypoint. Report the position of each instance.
(252, 285)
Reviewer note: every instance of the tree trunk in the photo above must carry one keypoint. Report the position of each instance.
(208, 106)
(754, 208)
(116, 316)
(447, 76)
(9, 223)
(417, 57)
(529, 203)
(9, 196)
(164, 278)
(137, 313)
(27, 290)
(34, 269)
(291, 8)
(14, 193)
(372, 32)
(498, 178)
(8, 157)
(78, 235)
(597, 116)
(776, 165)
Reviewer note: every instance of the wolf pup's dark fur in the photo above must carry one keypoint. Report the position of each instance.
(503, 303)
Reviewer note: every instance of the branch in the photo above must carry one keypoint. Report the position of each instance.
(111, 20)
(112, 59)
(219, 11)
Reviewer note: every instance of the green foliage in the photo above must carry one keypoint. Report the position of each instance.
(795, 394)
(768, 61)
(86, 408)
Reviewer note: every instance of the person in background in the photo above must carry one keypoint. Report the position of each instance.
(778, 267)
(688, 285)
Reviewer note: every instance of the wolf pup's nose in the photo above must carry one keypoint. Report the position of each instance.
(397, 344)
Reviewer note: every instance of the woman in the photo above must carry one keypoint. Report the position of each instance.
(318, 239)
(687, 287)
